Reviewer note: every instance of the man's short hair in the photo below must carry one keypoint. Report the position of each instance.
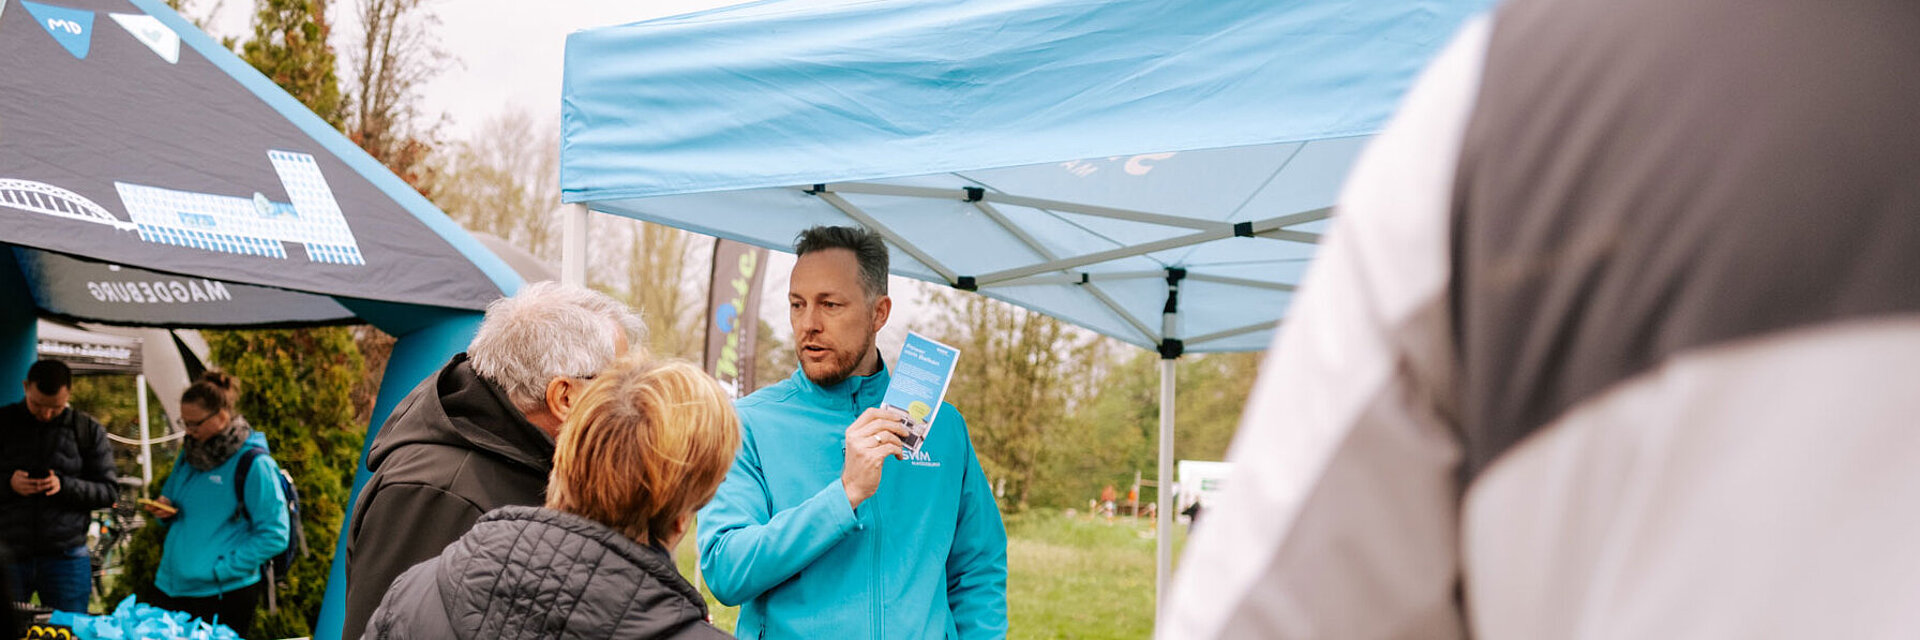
(868, 247)
(50, 376)
(550, 330)
(648, 443)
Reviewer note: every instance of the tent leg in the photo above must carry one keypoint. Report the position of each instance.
(146, 436)
(1163, 490)
(416, 356)
(573, 245)
(19, 329)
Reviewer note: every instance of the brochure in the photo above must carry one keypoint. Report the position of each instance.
(920, 377)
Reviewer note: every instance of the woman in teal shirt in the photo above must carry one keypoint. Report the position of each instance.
(210, 566)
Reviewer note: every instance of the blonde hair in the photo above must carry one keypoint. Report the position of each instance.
(648, 444)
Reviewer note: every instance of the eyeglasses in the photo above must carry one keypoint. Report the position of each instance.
(184, 424)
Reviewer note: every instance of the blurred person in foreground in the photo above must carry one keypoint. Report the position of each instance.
(643, 448)
(220, 528)
(59, 468)
(13, 623)
(820, 529)
(478, 435)
(1615, 337)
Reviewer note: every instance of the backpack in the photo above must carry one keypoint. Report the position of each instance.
(277, 567)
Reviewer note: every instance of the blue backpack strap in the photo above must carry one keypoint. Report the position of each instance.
(240, 473)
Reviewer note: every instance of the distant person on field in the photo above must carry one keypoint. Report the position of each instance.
(646, 445)
(1107, 496)
(478, 435)
(1616, 335)
(59, 468)
(219, 533)
(821, 530)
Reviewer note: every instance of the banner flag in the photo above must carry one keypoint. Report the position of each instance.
(733, 313)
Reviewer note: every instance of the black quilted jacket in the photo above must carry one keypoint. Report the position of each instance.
(43, 524)
(527, 572)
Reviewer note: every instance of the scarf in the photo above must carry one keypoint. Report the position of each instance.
(205, 455)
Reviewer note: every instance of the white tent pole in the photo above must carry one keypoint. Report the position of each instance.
(573, 245)
(146, 436)
(1163, 538)
(1170, 350)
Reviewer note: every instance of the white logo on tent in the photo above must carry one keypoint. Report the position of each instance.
(151, 32)
(40, 197)
(71, 28)
(255, 226)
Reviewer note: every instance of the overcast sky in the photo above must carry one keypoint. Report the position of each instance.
(507, 52)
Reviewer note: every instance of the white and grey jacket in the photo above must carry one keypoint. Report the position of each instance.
(1616, 335)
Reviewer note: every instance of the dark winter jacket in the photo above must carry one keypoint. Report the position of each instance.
(454, 449)
(526, 572)
(44, 524)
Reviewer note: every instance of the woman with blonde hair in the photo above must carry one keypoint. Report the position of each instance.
(646, 446)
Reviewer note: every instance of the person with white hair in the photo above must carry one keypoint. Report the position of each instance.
(480, 434)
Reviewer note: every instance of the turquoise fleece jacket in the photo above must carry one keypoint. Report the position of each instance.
(211, 549)
(925, 557)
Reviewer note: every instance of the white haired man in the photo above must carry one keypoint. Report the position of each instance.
(480, 434)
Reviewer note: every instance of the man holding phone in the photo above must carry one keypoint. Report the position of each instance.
(59, 468)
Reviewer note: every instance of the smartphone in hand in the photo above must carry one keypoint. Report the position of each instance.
(159, 508)
(42, 472)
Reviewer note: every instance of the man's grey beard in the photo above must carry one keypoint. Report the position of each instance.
(845, 372)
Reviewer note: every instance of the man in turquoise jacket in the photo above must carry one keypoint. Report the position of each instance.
(804, 532)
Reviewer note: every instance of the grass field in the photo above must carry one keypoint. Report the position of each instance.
(1068, 577)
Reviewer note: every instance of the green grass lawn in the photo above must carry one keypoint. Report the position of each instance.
(1068, 577)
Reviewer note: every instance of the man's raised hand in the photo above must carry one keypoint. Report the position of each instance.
(870, 441)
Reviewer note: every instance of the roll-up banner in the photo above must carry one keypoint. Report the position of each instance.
(733, 312)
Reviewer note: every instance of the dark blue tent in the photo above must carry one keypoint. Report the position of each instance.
(150, 177)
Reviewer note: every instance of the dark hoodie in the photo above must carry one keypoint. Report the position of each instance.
(454, 449)
(524, 572)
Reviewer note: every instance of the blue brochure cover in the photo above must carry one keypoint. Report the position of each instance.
(920, 377)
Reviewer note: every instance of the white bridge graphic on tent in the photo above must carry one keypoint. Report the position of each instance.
(40, 197)
(253, 226)
(249, 226)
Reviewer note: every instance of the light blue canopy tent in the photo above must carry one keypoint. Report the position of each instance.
(1156, 171)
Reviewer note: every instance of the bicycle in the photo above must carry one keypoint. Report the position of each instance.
(112, 528)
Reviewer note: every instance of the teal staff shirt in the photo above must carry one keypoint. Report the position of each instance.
(925, 557)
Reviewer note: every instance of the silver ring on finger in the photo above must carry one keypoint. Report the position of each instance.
(878, 440)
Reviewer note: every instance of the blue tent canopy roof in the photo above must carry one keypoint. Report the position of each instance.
(1070, 156)
(782, 93)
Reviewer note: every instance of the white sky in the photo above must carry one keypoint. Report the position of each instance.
(507, 52)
